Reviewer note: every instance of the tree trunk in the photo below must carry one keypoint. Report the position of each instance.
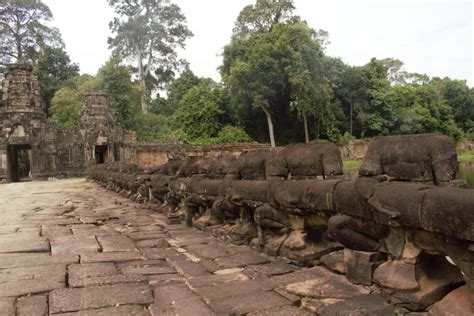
(351, 116)
(306, 133)
(19, 50)
(270, 127)
(141, 78)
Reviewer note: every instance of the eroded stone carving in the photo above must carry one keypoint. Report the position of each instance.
(397, 222)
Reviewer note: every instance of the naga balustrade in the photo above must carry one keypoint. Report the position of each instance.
(404, 224)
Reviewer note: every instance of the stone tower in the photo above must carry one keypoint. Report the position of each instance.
(96, 111)
(21, 92)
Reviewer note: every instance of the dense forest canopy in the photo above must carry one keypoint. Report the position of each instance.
(278, 83)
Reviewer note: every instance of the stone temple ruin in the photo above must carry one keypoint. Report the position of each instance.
(403, 230)
(404, 227)
(32, 146)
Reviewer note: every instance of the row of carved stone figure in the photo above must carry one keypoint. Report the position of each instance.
(405, 212)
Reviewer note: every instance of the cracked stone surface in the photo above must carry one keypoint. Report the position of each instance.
(70, 247)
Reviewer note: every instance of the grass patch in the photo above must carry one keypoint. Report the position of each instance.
(351, 165)
(466, 156)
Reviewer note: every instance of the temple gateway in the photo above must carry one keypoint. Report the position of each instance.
(32, 146)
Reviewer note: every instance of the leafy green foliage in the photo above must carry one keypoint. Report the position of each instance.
(232, 134)
(179, 87)
(272, 70)
(149, 31)
(123, 94)
(66, 103)
(151, 128)
(65, 108)
(198, 112)
(53, 67)
(23, 30)
(262, 16)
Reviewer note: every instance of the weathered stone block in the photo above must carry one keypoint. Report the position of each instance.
(457, 302)
(397, 275)
(335, 261)
(360, 265)
(32, 305)
(68, 300)
(361, 305)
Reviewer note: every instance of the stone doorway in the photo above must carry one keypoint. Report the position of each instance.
(101, 154)
(19, 162)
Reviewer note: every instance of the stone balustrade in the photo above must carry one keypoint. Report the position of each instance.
(405, 226)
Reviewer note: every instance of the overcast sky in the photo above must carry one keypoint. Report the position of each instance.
(432, 37)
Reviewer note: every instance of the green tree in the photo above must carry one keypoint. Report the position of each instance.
(267, 71)
(232, 134)
(310, 91)
(179, 87)
(395, 71)
(363, 92)
(66, 103)
(198, 114)
(460, 98)
(151, 128)
(65, 108)
(148, 31)
(123, 94)
(23, 29)
(262, 16)
(53, 67)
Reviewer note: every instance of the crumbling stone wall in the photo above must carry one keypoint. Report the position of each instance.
(151, 155)
(55, 153)
(392, 228)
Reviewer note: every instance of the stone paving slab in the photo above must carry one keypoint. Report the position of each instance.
(7, 306)
(106, 280)
(74, 244)
(282, 311)
(153, 253)
(70, 300)
(335, 287)
(242, 260)
(248, 303)
(24, 287)
(22, 242)
(91, 273)
(116, 243)
(124, 310)
(209, 251)
(55, 231)
(359, 305)
(137, 236)
(301, 275)
(111, 256)
(32, 305)
(150, 270)
(216, 279)
(34, 260)
(235, 288)
(191, 306)
(153, 243)
(270, 269)
(54, 272)
(90, 230)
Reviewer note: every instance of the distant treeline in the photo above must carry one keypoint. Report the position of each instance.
(278, 84)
